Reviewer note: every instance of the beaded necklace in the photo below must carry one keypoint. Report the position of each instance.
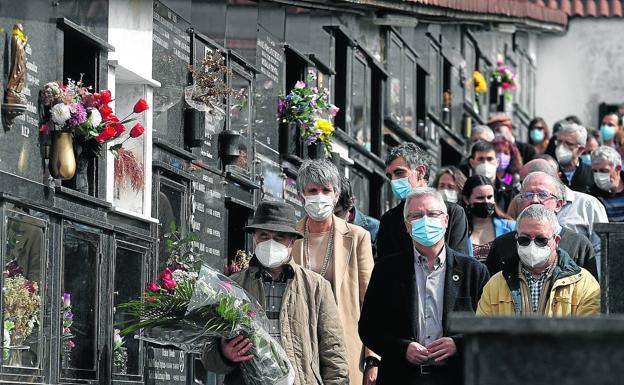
(328, 252)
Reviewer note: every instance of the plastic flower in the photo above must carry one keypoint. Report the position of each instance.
(119, 129)
(105, 111)
(137, 130)
(60, 113)
(108, 133)
(66, 299)
(140, 106)
(300, 84)
(94, 117)
(480, 85)
(78, 114)
(333, 110)
(324, 125)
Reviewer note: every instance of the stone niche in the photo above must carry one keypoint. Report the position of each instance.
(537, 350)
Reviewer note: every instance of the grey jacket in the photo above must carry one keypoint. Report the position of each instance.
(310, 328)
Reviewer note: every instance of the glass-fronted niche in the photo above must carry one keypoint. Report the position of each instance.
(61, 284)
(25, 298)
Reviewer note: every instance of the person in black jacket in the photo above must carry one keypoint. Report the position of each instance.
(541, 188)
(407, 167)
(570, 145)
(411, 294)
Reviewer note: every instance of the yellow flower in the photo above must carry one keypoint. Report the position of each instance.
(324, 125)
(480, 85)
(20, 34)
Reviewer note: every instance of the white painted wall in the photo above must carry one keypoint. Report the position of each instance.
(581, 69)
(130, 32)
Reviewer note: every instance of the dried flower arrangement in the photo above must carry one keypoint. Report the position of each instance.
(128, 167)
(210, 87)
(22, 303)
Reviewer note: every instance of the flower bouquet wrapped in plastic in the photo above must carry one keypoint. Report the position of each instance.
(193, 306)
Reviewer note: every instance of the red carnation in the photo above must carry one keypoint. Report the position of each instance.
(108, 133)
(105, 97)
(112, 118)
(137, 130)
(119, 129)
(106, 111)
(169, 284)
(140, 106)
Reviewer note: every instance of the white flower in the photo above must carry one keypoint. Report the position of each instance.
(117, 337)
(60, 113)
(94, 117)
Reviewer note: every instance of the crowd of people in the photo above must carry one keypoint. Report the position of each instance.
(507, 231)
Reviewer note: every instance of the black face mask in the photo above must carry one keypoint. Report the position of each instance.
(482, 209)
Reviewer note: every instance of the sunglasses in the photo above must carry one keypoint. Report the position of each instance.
(523, 240)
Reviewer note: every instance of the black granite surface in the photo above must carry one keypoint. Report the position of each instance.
(541, 350)
(170, 60)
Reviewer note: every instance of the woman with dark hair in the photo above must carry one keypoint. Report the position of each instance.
(539, 135)
(486, 221)
(449, 182)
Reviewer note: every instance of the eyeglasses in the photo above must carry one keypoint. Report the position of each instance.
(416, 215)
(523, 240)
(570, 145)
(541, 196)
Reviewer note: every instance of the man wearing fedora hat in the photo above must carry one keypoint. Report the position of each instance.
(298, 302)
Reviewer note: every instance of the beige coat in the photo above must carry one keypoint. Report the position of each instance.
(312, 337)
(353, 263)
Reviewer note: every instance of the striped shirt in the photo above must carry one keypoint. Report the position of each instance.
(614, 204)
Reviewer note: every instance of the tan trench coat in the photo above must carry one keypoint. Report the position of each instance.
(311, 335)
(353, 264)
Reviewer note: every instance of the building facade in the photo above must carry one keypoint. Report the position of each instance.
(398, 70)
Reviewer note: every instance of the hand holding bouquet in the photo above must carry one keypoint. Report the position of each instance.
(193, 307)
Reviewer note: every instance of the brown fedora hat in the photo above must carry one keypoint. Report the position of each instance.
(274, 216)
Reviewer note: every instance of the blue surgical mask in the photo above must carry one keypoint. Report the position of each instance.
(537, 136)
(586, 159)
(401, 187)
(427, 231)
(607, 132)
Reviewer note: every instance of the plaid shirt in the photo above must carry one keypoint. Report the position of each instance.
(273, 295)
(536, 285)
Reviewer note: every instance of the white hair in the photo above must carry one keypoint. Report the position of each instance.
(480, 128)
(541, 213)
(607, 153)
(560, 191)
(580, 131)
(419, 192)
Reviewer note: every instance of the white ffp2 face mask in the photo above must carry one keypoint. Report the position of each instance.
(271, 254)
(533, 256)
(486, 169)
(449, 195)
(564, 155)
(319, 207)
(603, 181)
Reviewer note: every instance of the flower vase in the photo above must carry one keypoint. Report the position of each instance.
(316, 150)
(62, 158)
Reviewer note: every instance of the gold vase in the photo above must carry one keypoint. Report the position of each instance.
(62, 157)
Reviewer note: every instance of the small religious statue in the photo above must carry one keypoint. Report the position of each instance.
(14, 102)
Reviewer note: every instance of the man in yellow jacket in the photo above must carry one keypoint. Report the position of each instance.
(546, 280)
